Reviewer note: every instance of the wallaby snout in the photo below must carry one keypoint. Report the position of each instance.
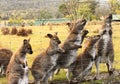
(31, 52)
(59, 42)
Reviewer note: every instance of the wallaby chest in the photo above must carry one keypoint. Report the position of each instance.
(54, 59)
(78, 40)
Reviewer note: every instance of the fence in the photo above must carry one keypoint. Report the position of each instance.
(40, 43)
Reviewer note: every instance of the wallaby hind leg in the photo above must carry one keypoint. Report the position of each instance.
(37, 82)
(97, 62)
(68, 75)
(110, 67)
(57, 71)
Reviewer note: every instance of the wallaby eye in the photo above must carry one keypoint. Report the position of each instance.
(104, 31)
(28, 48)
(54, 38)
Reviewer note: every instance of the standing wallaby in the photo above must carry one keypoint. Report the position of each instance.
(17, 70)
(84, 33)
(71, 46)
(5, 56)
(46, 60)
(105, 47)
(83, 64)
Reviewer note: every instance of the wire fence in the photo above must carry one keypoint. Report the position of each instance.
(40, 43)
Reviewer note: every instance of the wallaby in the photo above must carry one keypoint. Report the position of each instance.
(5, 56)
(84, 33)
(17, 70)
(71, 46)
(105, 47)
(83, 64)
(46, 60)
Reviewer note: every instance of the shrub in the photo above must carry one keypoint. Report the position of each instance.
(13, 31)
(5, 31)
(22, 32)
(29, 31)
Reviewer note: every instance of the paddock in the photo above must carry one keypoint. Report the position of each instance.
(39, 44)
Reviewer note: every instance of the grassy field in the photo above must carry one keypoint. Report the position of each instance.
(39, 43)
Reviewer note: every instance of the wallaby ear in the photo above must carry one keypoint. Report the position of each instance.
(56, 33)
(29, 40)
(25, 41)
(87, 36)
(98, 36)
(49, 35)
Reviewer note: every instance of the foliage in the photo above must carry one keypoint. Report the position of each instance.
(63, 9)
(76, 9)
(15, 21)
(44, 14)
(115, 6)
(31, 23)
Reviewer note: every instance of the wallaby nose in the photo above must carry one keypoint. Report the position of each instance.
(59, 42)
(31, 52)
(84, 21)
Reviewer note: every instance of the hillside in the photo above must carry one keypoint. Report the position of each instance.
(8, 5)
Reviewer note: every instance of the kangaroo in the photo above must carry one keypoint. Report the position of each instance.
(105, 47)
(17, 70)
(46, 60)
(83, 64)
(71, 46)
(5, 55)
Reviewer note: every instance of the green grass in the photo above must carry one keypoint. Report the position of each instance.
(39, 43)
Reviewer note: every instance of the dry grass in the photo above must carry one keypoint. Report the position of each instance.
(39, 43)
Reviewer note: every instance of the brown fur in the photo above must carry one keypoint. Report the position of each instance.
(71, 46)
(15, 70)
(82, 67)
(44, 61)
(105, 46)
(5, 55)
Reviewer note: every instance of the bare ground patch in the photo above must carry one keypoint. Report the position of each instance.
(104, 79)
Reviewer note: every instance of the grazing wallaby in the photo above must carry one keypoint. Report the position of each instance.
(71, 46)
(46, 60)
(5, 55)
(105, 47)
(83, 64)
(17, 70)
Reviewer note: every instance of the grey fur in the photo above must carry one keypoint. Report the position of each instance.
(71, 46)
(5, 56)
(17, 67)
(105, 47)
(83, 64)
(46, 60)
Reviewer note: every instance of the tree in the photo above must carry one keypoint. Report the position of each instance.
(15, 21)
(76, 9)
(102, 11)
(44, 14)
(63, 9)
(115, 6)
